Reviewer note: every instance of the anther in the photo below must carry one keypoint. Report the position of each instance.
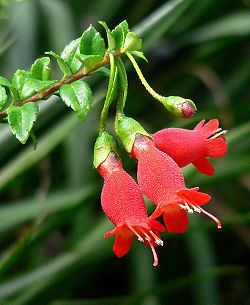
(158, 241)
(196, 209)
(188, 208)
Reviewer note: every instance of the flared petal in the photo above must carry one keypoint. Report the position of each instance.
(216, 147)
(156, 225)
(200, 125)
(122, 244)
(193, 196)
(203, 166)
(110, 233)
(210, 127)
(175, 219)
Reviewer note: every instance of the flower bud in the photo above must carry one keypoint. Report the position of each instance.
(181, 107)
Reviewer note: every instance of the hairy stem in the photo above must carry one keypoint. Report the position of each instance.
(45, 94)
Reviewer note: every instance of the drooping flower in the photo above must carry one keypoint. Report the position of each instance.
(193, 146)
(161, 180)
(123, 204)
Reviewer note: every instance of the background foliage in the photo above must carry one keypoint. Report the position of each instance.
(51, 224)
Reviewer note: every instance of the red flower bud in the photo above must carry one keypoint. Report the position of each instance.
(193, 146)
(123, 204)
(161, 180)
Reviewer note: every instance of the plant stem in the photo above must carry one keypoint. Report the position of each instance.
(110, 93)
(151, 91)
(124, 84)
(56, 86)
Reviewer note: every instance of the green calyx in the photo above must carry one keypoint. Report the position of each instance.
(103, 146)
(127, 129)
(179, 106)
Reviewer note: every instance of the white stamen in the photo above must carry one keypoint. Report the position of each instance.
(158, 241)
(138, 235)
(146, 235)
(182, 206)
(196, 209)
(217, 130)
(222, 132)
(190, 211)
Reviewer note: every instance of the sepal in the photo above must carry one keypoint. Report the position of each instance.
(103, 146)
(127, 129)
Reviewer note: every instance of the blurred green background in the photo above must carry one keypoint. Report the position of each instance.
(51, 224)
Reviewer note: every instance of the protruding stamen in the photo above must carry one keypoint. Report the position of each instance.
(217, 130)
(216, 135)
(137, 234)
(196, 209)
(154, 254)
(147, 237)
(182, 206)
(158, 241)
(216, 220)
(188, 208)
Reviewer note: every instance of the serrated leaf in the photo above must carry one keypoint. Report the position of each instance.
(22, 119)
(6, 83)
(3, 98)
(138, 54)
(69, 55)
(26, 86)
(92, 43)
(132, 42)
(65, 68)
(119, 33)
(78, 96)
(89, 61)
(40, 69)
(33, 85)
(111, 41)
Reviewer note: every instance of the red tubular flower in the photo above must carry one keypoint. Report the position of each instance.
(193, 146)
(161, 180)
(124, 205)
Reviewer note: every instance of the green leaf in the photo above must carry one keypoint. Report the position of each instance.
(65, 68)
(78, 96)
(69, 55)
(139, 54)
(132, 42)
(92, 43)
(6, 83)
(111, 41)
(104, 71)
(89, 61)
(26, 86)
(22, 119)
(119, 33)
(3, 97)
(40, 69)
